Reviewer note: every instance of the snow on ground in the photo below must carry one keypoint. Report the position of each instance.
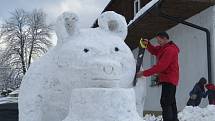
(198, 114)
(190, 113)
(149, 117)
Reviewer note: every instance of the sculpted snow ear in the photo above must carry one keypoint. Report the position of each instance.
(66, 25)
(114, 23)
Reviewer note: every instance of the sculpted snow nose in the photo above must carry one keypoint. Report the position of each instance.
(108, 69)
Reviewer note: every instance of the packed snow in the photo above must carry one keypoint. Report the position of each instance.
(103, 104)
(190, 113)
(197, 114)
(11, 98)
(82, 59)
(143, 10)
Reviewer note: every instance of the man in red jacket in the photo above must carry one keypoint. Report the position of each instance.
(167, 69)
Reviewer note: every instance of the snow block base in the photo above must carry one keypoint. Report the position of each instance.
(103, 104)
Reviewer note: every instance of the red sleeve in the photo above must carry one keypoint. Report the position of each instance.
(168, 56)
(153, 49)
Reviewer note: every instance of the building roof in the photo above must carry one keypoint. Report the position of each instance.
(149, 24)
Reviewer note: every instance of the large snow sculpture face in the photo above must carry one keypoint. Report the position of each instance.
(95, 57)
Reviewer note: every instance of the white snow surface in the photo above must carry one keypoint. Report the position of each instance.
(107, 22)
(143, 10)
(190, 113)
(82, 58)
(197, 114)
(112, 105)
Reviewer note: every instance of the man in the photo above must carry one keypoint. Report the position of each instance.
(167, 69)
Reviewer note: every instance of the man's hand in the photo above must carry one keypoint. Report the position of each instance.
(144, 43)
(139, 74)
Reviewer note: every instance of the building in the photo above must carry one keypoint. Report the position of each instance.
(197, 57)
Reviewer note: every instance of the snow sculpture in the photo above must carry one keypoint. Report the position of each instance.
(86, 77)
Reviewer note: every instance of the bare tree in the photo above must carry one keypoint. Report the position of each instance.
(39, 31)
(14, 35)
(10, 78)
(25, 36)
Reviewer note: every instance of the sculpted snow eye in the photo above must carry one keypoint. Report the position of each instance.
(116, 49)
(86, 50)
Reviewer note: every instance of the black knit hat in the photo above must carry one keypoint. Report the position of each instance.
(162, 35)
(202, 81)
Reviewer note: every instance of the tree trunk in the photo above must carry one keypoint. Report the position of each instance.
(22, 53)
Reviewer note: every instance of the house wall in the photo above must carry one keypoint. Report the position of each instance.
(192, 59)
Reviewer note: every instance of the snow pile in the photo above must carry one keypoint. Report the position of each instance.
(149, 117)
(190, 113)
(143, 10)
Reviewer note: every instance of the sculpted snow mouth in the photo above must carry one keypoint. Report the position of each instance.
(104, 79)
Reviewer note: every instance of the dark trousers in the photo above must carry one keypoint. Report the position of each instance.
(168, 102)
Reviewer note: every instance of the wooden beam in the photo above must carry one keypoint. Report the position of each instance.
(203, 1)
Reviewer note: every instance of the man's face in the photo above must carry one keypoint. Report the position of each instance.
(160, 40)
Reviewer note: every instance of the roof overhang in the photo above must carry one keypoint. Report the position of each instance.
(149, 24)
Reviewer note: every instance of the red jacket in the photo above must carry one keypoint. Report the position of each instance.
(210, 87)
(167, 63)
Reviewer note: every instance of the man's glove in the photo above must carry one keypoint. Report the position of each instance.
(155, 81)
(139, 74)
(144, 43)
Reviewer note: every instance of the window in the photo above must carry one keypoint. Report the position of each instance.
(136, 6)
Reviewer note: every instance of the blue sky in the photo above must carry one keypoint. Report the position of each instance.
(87, 10)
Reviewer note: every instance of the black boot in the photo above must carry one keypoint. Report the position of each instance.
(167, 113)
